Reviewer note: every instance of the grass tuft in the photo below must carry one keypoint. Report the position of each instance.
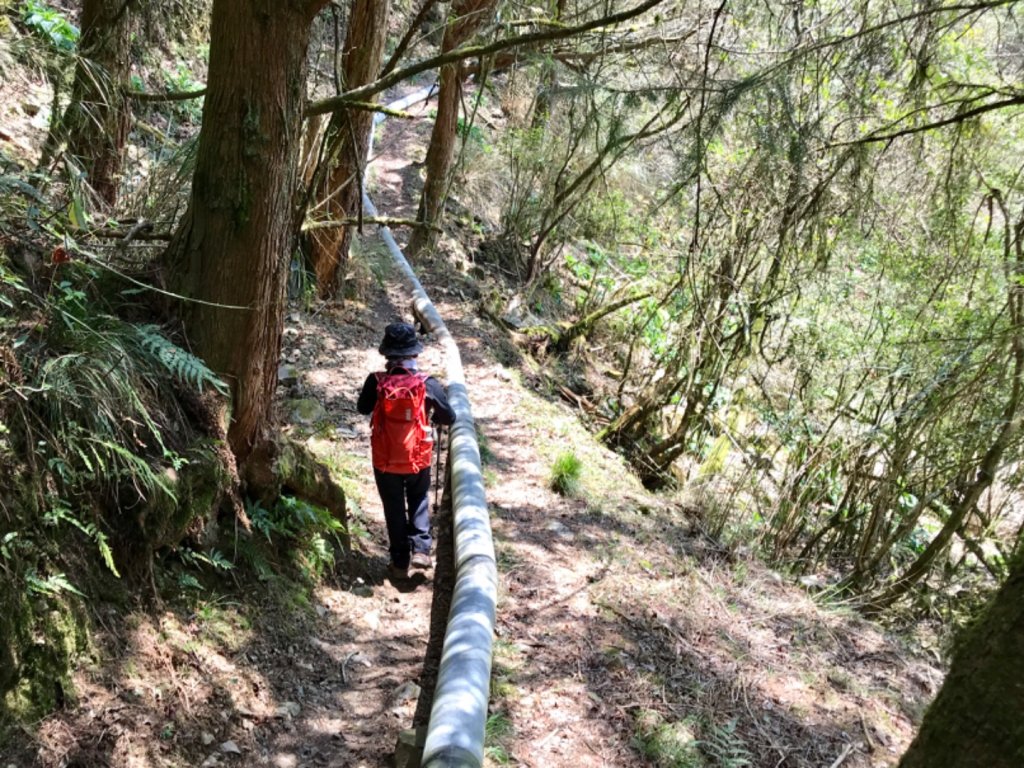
(666, 744)
(497, 730)
(565, 474)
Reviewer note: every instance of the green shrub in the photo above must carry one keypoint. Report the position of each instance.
(497, 730)
(51, 25)
(100, 467)
(305, 533)
(565, 474)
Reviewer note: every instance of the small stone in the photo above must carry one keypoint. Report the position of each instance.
(405, 692)
(288, 710)
(288, 375)
(359, 658)
(362, 590)
(372, 620)
(207, 738)
(230, 748)
(307, 411)
(210, 762)
(558, 529)
(294, 317)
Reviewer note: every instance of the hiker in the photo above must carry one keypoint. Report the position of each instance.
(400, 400)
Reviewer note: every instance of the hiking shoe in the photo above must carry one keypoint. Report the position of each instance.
(422, 561)
(397, 574)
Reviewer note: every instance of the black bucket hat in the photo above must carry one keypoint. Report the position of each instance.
(400, 341)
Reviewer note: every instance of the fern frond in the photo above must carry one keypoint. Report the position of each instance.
(50, 586)
(137, 467)
(182, 364)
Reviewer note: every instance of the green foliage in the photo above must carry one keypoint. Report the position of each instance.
(97, 397)
(59, 512)
(669, 744)
(497, 729)
(725, 748)
(486, 452)
(213, 559)
(469, 132)
(666, 744)
(99, 464)
(565, 474)
(180, 80)
(306, 533)
(51, 25)
(186, 367)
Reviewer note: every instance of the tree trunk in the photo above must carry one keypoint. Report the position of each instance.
(546, 81)
(469, 15)
(230, 255)
(339, 182)
(97, 119)
(975, 719)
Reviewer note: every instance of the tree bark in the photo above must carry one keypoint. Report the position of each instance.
(975, 719)
(96, 121)
(469, 15)
(230, 255)
(339, 182)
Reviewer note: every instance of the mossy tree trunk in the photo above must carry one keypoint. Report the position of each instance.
(338, 181)
(96, 121)
(231, 253)
(976, 718)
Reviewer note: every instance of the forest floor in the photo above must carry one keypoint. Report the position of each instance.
(625, 636)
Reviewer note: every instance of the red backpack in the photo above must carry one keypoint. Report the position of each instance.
(400, 438)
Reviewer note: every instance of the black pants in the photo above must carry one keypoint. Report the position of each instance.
(406, 511)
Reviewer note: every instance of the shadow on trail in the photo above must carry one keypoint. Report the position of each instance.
(652, 647)
(444, 584)
(251, 676)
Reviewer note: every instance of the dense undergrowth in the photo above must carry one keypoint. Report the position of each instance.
(116, 478)
(104, 462)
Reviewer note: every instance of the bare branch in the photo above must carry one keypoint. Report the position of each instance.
(345, 100)
(383, 221)
(960, 117)
(169, 96)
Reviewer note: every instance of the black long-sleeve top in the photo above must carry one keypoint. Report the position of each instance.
(438, 409)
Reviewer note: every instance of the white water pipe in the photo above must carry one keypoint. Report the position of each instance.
(455, 732)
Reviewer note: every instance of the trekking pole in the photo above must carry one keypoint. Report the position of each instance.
(437, 469)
